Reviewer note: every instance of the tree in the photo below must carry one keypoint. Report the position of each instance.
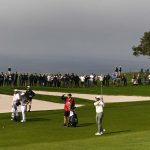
(144, 47)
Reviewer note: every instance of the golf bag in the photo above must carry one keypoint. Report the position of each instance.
(73, 119)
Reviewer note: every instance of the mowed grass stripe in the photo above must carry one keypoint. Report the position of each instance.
(140, 90)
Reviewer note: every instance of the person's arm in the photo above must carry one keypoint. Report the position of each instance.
(97, 103)
(72, 105)
(100, 102)
(63, 97)
(18, 97)
(33, 94)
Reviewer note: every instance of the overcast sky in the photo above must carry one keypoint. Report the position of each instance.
(72, 35)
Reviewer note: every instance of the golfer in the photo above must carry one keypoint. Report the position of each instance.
(99, 104)
(15, 104)
(23, 106)
(29, 94)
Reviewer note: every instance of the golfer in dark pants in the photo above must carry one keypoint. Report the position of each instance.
(99, 104)
(29, 94)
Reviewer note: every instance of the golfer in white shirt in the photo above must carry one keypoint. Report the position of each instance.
(99, 104)
(16, 98)
(23, 106)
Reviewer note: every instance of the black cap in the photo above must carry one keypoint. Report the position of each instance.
(69, 94)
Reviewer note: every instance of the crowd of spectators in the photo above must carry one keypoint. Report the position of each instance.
(70, 80)
(138, 79)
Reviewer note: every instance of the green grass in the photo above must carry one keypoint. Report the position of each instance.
(127, 125)
(140, 90)
(57, 99)
(118, 90)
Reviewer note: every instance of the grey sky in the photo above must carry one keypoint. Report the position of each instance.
(72, 35)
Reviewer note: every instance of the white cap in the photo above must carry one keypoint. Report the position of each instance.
(15, 90)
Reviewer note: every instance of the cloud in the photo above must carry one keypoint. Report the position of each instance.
(59, 31)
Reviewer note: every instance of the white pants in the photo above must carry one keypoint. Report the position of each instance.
(14, 110)
(23, 110)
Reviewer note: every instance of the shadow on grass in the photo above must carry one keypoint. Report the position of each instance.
(116, 132)
(38, 119)
(85, 124)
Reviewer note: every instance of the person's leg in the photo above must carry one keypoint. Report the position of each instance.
(27, 103)
(65, 120)
(24, 114)
(66, 116)
(16, 114)
(30, 103)
(23, 108)
(99, 122)
(13, 113)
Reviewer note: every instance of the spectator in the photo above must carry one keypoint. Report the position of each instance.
(82, 80)
(149, 79)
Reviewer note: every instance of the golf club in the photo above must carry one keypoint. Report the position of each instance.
(101, 90)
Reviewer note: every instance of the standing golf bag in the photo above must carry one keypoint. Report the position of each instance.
(73, 119)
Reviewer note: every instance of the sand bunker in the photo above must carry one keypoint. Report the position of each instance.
(38, 105)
